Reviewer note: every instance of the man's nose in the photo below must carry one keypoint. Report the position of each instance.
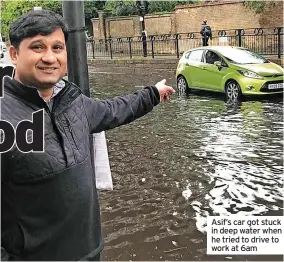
(49, 57)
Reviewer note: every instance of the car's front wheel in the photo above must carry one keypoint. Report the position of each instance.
(233, 91)
(182, 85)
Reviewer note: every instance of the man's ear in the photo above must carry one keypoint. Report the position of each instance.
(13, 54)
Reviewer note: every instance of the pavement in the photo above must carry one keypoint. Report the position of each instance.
(272, 58)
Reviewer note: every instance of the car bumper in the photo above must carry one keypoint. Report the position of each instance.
(251, 86)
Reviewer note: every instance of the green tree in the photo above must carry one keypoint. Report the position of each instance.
(258, 6)
(11, 10)
(128, 7)
(166, 6)
(121, 8)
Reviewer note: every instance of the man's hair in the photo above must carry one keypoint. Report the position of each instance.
(43, 22)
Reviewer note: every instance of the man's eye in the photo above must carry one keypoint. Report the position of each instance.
(58, 47)
(37, 47)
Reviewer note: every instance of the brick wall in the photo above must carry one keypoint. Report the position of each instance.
(96, 28)
(159, 24)
(114, 27)
(273, 16)
(226, 15)
(188, 18)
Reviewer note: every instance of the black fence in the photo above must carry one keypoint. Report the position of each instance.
(265, 41)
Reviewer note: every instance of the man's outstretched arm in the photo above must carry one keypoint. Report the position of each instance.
(107, 114)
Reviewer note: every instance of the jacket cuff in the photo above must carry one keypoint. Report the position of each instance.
(156, 95)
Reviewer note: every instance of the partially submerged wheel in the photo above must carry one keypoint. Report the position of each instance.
(182, 85)
(233, 91)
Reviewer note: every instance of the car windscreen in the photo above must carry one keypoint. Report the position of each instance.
(242, 56)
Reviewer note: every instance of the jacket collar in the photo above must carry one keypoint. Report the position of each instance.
(56, 89)
(63, 98)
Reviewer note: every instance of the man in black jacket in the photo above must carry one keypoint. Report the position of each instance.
(206, 33)
(49, 202)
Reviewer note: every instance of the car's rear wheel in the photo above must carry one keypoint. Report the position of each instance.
(182, 85)
(233, 91)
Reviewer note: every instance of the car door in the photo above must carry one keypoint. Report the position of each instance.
(193, 63)
(213, 75)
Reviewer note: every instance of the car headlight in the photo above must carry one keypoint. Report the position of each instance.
(250, 74)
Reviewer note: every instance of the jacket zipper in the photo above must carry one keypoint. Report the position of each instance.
(55, 104)
(52, 117)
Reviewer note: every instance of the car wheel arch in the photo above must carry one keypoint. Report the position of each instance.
(239, 95)
(186, 78)
(229, 80)
(179, 75)
(186, 90)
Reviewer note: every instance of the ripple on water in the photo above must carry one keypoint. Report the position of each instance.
(191, 158)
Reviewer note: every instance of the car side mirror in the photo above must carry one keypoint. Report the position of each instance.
(218, 64)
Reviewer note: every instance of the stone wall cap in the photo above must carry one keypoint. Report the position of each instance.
(159, 14)
(121, 17)
(113, 18)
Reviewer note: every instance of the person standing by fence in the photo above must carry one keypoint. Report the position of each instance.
(206, 33)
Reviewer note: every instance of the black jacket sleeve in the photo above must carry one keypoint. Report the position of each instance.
(202, 29)
(107, 114)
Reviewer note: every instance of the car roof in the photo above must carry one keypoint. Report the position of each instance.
(217, 48)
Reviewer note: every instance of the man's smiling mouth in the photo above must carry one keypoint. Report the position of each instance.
(47, 69)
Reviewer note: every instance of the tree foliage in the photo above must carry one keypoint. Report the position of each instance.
(128, 7)
(166, 6)
(11, 10)
(121, 8)
(258, 6)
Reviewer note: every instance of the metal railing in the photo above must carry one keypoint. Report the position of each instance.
(265, 41)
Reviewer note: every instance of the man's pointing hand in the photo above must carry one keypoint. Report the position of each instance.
(164, 90)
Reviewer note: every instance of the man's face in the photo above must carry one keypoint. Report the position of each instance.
(40, 61)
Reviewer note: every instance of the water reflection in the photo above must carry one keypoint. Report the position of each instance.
(243, 153)
(194, 157)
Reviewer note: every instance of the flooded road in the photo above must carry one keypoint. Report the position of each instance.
(193, 157)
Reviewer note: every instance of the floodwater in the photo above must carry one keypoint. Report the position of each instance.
(193, 157)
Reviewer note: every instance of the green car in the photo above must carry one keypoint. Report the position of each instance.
(234, 71)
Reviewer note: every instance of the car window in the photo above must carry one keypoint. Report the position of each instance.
(187, 54)
(211, 57)
(195, 55)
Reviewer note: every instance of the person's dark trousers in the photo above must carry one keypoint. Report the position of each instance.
(95, 258)
(205, 41)
(6, 257)
(98, 257)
